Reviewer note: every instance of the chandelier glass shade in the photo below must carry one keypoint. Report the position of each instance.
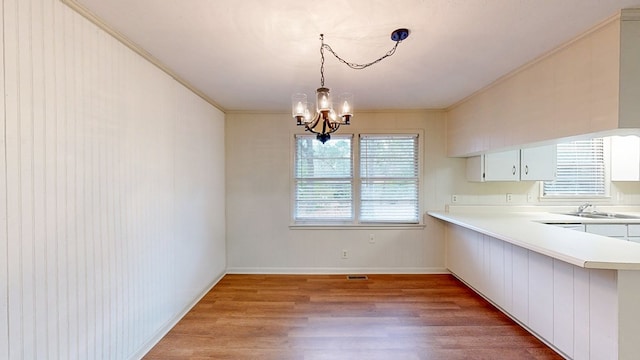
(325, 119)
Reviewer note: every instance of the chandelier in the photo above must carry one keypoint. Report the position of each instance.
(325, 120)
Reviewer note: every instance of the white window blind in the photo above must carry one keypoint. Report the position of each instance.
(389, 178)
(323, 179)
(580, 170)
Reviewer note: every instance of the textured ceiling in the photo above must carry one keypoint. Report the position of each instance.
(253, 54)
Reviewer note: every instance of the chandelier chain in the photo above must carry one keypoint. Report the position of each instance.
(327, 120)
(355, 66)
(361, 66)
(322, 60)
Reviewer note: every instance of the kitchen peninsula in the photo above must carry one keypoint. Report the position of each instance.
(579, 292)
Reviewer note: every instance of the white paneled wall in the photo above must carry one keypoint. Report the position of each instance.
(112, 216)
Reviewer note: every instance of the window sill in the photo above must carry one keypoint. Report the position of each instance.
(356, 227)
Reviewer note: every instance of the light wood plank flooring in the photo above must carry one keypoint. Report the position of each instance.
(329, 317)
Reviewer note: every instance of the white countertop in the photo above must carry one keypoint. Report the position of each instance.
(531, 231)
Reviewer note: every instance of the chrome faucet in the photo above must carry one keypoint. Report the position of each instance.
(583, 207)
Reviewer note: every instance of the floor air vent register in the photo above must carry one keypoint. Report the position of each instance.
(357, 277)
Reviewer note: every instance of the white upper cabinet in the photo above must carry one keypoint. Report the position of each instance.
(537, 163)
(625, 158)
(502, 166)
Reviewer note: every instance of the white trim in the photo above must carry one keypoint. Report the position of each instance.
(164, 330)
(355, 157)
(335, 271)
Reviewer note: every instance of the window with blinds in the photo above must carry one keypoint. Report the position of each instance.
(580, 170)
(389, 178)
(323, 179)
(382, 188)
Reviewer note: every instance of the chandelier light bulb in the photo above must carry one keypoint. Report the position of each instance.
(299, 109)
(346, 101)
(298, 105)
(323, 99)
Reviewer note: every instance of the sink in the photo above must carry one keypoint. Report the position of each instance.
(602, 215)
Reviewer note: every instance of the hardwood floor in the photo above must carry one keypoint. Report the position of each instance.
(329, 317)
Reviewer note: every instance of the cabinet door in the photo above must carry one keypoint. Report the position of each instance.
(611, 230)
(502, 166)
(563, 307)
(475, 168)
(520, 283)
(538, 163)
(625, 158)
(633, 232)
(541, 294)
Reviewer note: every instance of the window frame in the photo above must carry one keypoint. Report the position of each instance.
(355, 223)
(596, 198)
(294, 185)
(361, 179)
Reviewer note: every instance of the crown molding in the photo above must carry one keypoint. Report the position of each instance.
(84, 12)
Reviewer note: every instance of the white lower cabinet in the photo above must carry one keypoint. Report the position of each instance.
(496, 283)
(520, 284)
(603, 315)
(563, 307)
(508, 277)
(574, 309)
(633, 232)
(581, 305)
(611, 230)
(541, 294)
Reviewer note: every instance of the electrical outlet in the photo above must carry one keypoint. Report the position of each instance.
(454, 198)
(345, 254)
(509, 198)
(372, 239)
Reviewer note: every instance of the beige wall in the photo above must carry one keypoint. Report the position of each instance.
(259, 239)
(111, 188)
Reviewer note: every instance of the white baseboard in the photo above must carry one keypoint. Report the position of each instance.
(334, 271)
(153, 341)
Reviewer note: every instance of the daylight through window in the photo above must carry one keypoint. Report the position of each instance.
(580, 170)
(383, 188)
